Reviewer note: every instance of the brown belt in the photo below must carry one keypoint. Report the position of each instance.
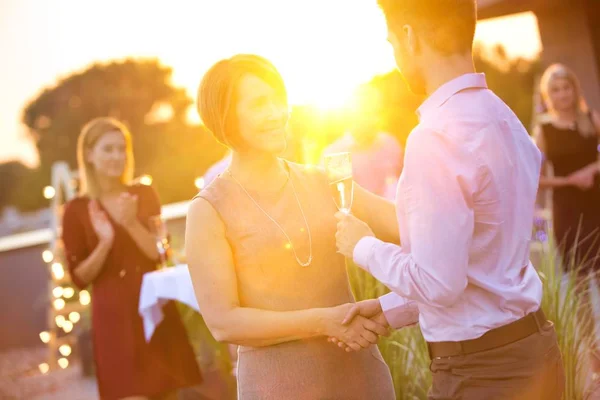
(515, 331)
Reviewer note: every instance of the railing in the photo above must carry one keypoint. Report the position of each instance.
(41, 236)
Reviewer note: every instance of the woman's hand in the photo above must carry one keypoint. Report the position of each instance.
(360, 333)
(102, 226)
(583, 178)
(127, 208)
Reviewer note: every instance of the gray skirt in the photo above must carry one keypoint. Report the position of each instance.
(312, 370)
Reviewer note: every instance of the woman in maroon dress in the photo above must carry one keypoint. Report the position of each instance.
(108, 245)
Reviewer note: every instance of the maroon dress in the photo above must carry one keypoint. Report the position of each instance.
(125, 364)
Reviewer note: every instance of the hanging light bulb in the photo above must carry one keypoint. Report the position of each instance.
(58, 271)
(84, 297)
(44, 368)
(65, 350)
(45, 337)
(74, 317)
(60, 320)
(63, 363)
(59, 304)
(49, 192)
(58, 292)
(68, 292)
(67, 326)
(47, 256)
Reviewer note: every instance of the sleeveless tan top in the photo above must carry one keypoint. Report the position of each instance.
(270, 278)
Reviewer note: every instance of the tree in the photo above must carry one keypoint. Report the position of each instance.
(11, 172)
(140, 94)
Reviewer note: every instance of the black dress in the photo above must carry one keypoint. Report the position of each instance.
(575, 212)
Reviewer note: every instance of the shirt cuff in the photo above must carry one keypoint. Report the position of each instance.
(363, 250)
(399, 311)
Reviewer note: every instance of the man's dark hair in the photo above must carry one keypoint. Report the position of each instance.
(447, 25)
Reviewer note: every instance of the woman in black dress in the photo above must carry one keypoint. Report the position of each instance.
(569, 140)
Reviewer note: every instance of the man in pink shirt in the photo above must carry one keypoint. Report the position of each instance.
(464, 206)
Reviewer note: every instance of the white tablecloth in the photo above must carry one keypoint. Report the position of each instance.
(160, 286)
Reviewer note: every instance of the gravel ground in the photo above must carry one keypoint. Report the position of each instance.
(20, 378)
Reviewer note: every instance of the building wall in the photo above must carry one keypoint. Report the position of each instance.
(571, 35)
(23, 296)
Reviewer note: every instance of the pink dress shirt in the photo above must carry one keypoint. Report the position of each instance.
(465, 205)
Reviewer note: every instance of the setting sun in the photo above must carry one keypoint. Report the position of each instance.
(324, 49)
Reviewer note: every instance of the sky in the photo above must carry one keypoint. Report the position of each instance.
(323, 48)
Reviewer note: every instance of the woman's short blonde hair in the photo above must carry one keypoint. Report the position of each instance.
(217, 94)
(89, 136)
(560, 71)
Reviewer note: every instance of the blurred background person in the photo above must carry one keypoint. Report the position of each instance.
(109, 245)
(377, 156)
(568, 137)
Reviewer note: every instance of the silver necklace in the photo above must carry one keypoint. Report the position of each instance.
(289, 241)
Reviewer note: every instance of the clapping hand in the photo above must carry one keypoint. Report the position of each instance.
(127, 208)
(102, 226)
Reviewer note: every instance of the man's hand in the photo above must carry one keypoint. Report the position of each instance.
(357, 334)
(369, 309)
(349, 232)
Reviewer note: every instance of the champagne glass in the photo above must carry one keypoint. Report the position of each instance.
(158, 228)
(338, 167)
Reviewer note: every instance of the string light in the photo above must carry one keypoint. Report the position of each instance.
(67, 326)
(63, 363)
(58, 271)
(60, 320)
(84, 297)
(65, 350)
(45, 337)
(58, 291)
(69, 292)
(44, 368)
(59, 304)
(74, 317)
(49, 192)
(47, 256)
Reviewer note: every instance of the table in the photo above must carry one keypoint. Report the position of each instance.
(158, 287)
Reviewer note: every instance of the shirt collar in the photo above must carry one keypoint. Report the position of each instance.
(449, 89)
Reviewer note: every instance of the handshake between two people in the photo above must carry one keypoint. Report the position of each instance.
(357, 326)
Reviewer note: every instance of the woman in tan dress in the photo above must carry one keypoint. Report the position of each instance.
(260, 244)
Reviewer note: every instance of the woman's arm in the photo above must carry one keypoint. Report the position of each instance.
(84, 266)
(144, 240)
(546, 181)
(596, 121)
(213, 274)
(378, 212)
(127, 216)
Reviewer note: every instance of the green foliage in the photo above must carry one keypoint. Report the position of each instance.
(139, 93)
